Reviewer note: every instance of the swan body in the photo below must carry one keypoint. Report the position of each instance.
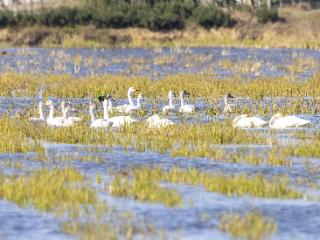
(120, 121)
(41, 117)
(136, 107)
(63, 108)
(185, 108)
(156, 121)
(126, 107)
(169, 107)
(279, 122)
(243, 121)
(57, 121)
(97, 123)
(228, 107)
(117, 121)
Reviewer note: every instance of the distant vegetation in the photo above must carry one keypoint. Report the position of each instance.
(154, 15)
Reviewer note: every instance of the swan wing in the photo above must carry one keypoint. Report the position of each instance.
(75, 119)
(101, 123)
(120, 121)
(290, 121)
(187, 108)
(57, 122)
(258, 122)
(167, 108)
(122, 108)
(244, 123)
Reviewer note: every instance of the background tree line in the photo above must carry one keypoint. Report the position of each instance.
(155, 15)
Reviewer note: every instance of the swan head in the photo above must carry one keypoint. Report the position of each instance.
(132, 89)
(102, 97)
(275, 118)
(184, 93)
(171, 94)
(140, 96)
(92, 106)
(67, 108)
(49, 102)
(228, 95)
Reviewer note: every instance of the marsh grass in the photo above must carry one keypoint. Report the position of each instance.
(144, 188)
(250, 226)
(231, 185)
(197, 84)
(179, 140)
(59, 191)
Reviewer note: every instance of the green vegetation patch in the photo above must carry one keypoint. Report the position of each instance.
(234, 185)
(250, 226)
(145, 188)
(55, 190)
(196, 84)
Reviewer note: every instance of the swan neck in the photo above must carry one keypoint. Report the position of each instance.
(110, 104)
(225, 100)
(273, 119)
(105, 110)
(130, 99)
(92, 115)
(170, 101)
(63, 107)
(41, 111)
(65, 113)
(181, 100)
(138, 102)
(51, 111)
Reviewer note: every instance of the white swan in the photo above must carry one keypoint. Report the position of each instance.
(97, 123)
(228, 107)
(41, 117)
(279, 121)
(126, 107)
(137, 106)
(58, 121)
(243, 121)
(169, 107)
(156, 121)
(63, 108)
(185, 108)
(117, 121)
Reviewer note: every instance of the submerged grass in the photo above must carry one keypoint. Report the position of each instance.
(250, 226)
(231, 185)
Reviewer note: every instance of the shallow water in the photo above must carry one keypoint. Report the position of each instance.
(198, 217)
(161, 62)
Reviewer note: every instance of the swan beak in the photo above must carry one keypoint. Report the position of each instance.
(137, 90)
(229, 95)
(186, 93)
(101, 98)
(109, 97)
